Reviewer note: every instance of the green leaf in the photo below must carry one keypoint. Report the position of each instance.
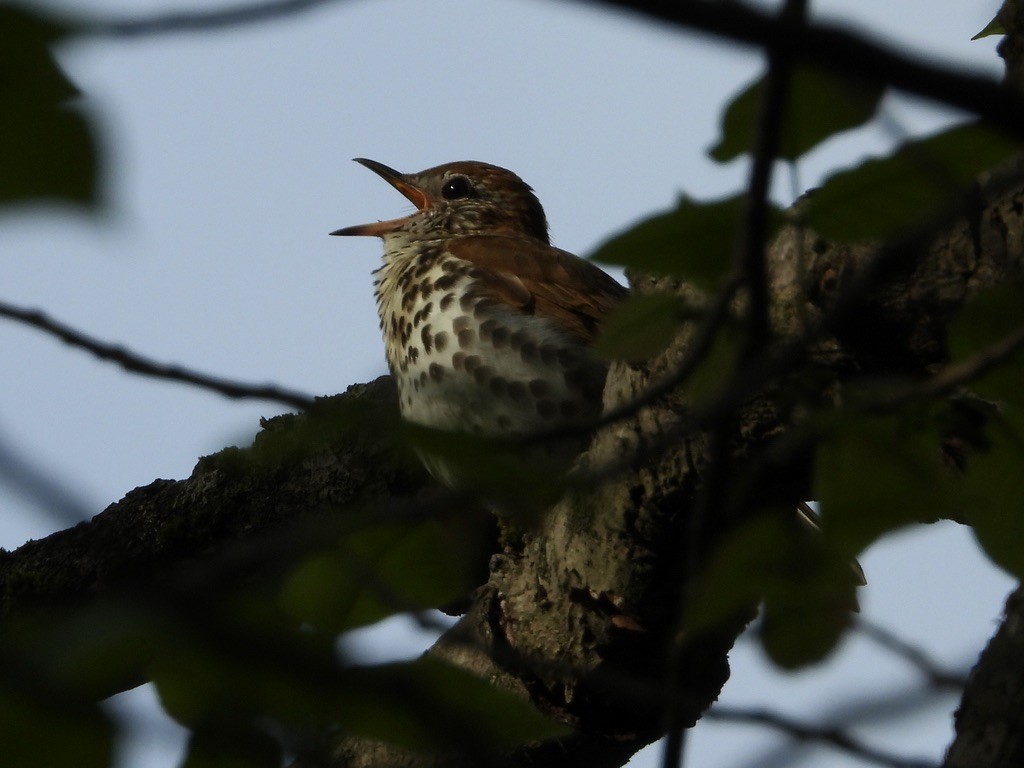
(994, 27)
(878, 474)
(695, 241)
(641, 327)
(231, 745)
(48, 149)
(45, 728)
(645, 324)
(379, 571)
(986, 319)
(424, 705)
(995, 488)
(820, 104)
(214, 668)
(25, 37)
(718, 366)
(886, 196)
(512, 476)
(432, 706)
(100, 648)
(807, 587)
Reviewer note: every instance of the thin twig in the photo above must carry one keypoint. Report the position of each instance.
(916, 657)
(824, 44)
(787, 354)
(843, 51)
(953, 375)
(775, 96)
(834, 737)
(697, 349)
(135, 363)
(198, 21)
(956, 374)
(675, 742)
(751, 265)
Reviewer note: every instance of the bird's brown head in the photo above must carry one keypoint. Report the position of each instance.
(462, 198)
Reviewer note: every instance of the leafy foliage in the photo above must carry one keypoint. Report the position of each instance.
(372, 573)
(641, 327)
(48, 149)
(994, 27)
(885, 197)
(47, 727)
(247, 658)
(807, 587)
(982, 322)
(908, 481)
(994, 484)
(994, 489)
(695, 241)
(819, 105)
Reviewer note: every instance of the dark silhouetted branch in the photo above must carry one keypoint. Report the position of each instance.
(135, 363)
(843, 51)
(916, 657)
(200, 21)
(833, 737)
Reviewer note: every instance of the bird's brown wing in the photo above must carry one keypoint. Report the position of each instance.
(536, 278)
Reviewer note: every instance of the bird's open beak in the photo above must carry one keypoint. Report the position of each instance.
(399, 181)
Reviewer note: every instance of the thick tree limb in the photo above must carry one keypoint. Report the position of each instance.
(228, 498)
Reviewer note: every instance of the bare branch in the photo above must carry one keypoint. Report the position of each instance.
(827, 45)
(135, 363)
(917, 657)
(200, 21)
(843, 51)
(977, 365)
(834, 737)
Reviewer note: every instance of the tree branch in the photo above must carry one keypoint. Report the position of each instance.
(843, 51)
(913, 655)
(830, 46)
(835, 737)
(135, 363)
(326, 462)
(231, 16)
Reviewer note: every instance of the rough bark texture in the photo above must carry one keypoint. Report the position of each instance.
(297, 468)
(990, 719)
(579, 614)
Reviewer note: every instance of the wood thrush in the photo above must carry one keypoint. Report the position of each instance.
(486, 326)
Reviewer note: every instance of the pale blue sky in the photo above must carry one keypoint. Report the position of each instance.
(229, 162)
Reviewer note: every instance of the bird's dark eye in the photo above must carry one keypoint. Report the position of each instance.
(456, 187)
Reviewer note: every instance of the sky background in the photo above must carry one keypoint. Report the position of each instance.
(227, 162)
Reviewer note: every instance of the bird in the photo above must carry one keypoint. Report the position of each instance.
(487, 327)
